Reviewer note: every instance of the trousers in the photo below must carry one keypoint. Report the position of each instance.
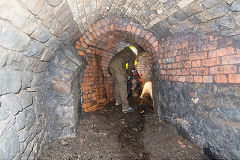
(120, 87)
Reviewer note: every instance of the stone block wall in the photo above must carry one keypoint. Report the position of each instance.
(22, 119)
(196, 88)
(164, 17)
(31, 32)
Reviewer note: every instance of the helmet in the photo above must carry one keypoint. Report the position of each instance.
(134, 49)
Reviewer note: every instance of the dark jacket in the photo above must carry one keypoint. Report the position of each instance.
(118, 62)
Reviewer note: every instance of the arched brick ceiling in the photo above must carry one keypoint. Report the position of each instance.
(164, 17)
(109, 31)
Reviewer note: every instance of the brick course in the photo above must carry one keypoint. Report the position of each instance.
(215, 61)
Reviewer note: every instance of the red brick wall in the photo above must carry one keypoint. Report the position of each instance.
(98, 45)
(97, 83)
(190, 58)
(206, 60)
(144, 66)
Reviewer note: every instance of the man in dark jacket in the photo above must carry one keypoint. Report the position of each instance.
(117, 69)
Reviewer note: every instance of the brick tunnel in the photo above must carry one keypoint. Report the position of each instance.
(54, 68)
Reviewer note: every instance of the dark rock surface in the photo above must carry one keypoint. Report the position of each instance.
(109, 134)
(63, 94)
(207, 114)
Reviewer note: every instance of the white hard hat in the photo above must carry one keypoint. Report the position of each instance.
(134, 49)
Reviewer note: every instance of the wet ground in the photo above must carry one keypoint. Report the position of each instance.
(108, 134)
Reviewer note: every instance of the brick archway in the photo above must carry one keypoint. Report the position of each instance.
(98, 45)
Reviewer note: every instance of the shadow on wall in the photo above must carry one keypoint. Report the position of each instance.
(63, 95)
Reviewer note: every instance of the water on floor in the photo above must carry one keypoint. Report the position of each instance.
(109, 134)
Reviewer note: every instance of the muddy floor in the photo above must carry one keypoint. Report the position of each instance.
(108, 134)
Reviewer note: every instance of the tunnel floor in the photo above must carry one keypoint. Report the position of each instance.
(109, 134)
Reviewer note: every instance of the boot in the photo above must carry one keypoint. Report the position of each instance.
(127, 109)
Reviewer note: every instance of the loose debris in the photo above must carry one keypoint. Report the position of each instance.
(108, 134)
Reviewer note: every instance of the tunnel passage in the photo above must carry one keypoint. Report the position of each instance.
(195, 70)
(98, 45)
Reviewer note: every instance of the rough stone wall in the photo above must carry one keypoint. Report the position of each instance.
(144, 66)
(197, 89)
(63, 94)
(101, 42)
(206, 114)
(22, 120)
(30, 34)
(163, 17)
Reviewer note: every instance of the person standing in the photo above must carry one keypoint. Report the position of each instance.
(119, 73)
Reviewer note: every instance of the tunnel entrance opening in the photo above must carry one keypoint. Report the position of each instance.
(104, 39)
